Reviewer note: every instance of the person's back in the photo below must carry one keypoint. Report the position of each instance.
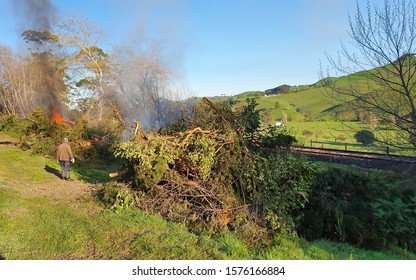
(64, 156)
(64, 152)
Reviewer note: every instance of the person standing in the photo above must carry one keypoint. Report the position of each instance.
(64, 157)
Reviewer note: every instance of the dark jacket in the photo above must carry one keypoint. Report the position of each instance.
(64, 152)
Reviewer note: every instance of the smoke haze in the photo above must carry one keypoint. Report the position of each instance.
(34, 14)
(39, 15)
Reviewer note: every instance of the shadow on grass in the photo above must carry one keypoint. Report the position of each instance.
(7, 143)
(94, 173)
(2, 258)
(53, 171)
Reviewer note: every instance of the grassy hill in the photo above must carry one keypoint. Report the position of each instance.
(316, 113)
(43, 217)
(307, 102)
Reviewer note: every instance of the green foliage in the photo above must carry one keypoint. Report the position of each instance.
(41, 123)
(207, 175)
(249, 118)
(271, 139)
(42, 136)
(117, 197)
(148, 158)
(278, 187)
(361, 207)
(43, 146)
(174, 175)
(365, 136)
(14, 125)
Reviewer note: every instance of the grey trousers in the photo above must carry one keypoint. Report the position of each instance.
(64, 169)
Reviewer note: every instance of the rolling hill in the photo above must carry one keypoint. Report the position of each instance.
(313, 102)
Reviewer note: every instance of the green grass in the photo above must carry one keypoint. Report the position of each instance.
(38, 229)
(327, 134)
(340, 135)
(46, 224)
(313, 101)
(90, 172)
(308, 106)
(30, 172)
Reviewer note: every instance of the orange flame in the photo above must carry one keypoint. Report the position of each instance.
(57, 116)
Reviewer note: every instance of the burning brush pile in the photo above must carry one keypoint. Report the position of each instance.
(41, 132)
(208, 173)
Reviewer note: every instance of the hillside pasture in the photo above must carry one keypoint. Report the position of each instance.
(340, 135)
(302, 103)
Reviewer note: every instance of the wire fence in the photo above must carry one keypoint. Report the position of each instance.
(338, 145)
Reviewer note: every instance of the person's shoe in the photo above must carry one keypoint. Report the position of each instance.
(69, 179)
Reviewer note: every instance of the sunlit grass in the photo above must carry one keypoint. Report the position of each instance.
(36, 227)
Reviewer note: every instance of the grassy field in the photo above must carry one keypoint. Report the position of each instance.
(311, 112)
(43, 217)
(308, 109)
(340, 135)
(332, 135)
(308, 100)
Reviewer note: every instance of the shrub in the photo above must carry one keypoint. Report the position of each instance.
(116, 196)
(342, 137)
(41, 123)
(43, 146)
(14, 125)
(277, 105)
(250, 117)
(307, 132)
(278, 186)
(360, 207)
(42, 136)
(365, 137)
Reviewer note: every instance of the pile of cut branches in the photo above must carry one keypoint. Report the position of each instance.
(203, 176)
(179, 176)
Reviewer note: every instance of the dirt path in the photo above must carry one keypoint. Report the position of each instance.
(58, 189)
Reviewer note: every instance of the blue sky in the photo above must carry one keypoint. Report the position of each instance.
(219, 46)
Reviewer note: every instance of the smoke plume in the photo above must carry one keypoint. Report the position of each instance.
(34, 14)
(37, 17)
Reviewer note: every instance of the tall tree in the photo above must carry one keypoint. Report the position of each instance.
(49, 60)
(88, 63)
(29, 80)
(381, 67)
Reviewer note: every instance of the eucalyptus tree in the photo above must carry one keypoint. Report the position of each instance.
(87, 61)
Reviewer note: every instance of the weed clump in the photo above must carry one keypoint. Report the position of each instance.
(369, 209)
